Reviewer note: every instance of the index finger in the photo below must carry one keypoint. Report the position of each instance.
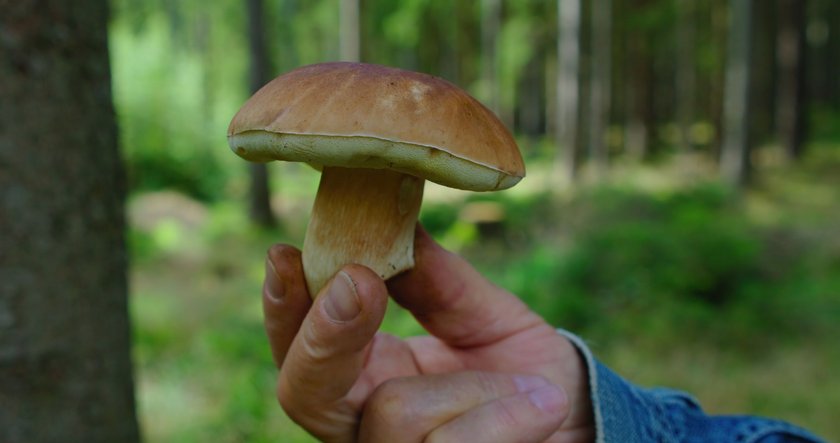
(327, 356)
(453, 301)
(285, 299)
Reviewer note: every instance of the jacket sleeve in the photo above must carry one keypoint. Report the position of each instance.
(627, 413)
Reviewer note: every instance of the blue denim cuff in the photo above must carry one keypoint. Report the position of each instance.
(627, 413)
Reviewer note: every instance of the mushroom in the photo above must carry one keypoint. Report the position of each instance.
(376, 133)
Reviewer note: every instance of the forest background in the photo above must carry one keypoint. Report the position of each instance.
(680, 211)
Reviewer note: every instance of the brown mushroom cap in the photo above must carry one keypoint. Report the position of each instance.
(370, 116)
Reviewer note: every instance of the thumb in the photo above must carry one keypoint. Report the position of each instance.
(454, 302)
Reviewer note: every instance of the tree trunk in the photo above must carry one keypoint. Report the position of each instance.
(790, 57)
(685, 71)
(491, 11)
(735, 159)
(600, 88)
(832, 61)
(718, 25)
(763, 71)
(65, 366)
(530, 104)
(461, 42)
(349, 45)
(550, 87)
(639, 94)
(259, 207)
(568, 85)
(280, 36)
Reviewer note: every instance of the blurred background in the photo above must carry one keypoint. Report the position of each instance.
(680, 211)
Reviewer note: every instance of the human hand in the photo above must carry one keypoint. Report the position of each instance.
(491, 370)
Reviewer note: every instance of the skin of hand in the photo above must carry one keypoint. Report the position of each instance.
(491, 370)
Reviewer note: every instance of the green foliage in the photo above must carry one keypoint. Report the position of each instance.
(152, 169)
(685, 245)
(647, 272)
(173, 99)
(618, 262)
(654, 264)
(438, 218)
(825, 125)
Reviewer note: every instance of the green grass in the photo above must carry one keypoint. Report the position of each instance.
(680, 283)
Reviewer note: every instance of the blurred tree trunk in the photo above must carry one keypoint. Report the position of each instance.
(686, 77)
(260, 195)
(282, 36)
(718, 25)
(639, 101)
(600, 87)
(65, 361)
(491, 23)
(450, 64)
(531, 106)
(763, 72)
(434, 46)
(550, 87)
(823, 46)
(790, 57)
(463, 43)
(735, 159)
(568, 85)
(349, 31)
(832, 62)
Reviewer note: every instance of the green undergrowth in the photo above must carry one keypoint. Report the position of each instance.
(625, 263)
(728, 295)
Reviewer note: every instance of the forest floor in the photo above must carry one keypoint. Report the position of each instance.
(205, 374)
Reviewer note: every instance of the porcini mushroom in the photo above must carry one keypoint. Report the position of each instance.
(376, 133)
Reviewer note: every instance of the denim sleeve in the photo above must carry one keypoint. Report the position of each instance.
(627, 413)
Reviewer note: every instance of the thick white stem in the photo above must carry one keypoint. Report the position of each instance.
(363, 216)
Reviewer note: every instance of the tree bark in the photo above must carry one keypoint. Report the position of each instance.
(685, 72)
(259, 207)
(65, 366)
(600, 88)
(832, 61)
(717, 15)
(823, 38)
(491, 23)
(530, 105)
(735, 160)
(639, 94)
(763, 71)
(568, 85)
(791, 64)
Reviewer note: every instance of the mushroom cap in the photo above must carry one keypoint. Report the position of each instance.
(369, 116)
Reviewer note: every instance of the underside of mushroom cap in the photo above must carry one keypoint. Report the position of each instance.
(361, 115)
(365, 152)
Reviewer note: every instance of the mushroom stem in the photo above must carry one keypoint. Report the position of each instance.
(363, 216)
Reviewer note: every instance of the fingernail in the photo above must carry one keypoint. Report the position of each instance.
(549, 398)
(342, 303)
(527, 383)
(273, 285)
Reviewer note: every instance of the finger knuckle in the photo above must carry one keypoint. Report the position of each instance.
(314, 350)
(486, 382)
(506, 416)
(317, 419)
(388, 403)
